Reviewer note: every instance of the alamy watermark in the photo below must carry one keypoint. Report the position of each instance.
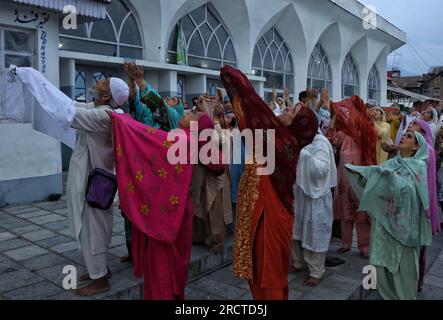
(204, 147)
(370, 281)
(70, 20)
(70, 280)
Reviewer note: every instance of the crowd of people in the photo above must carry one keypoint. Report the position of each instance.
(339, 165)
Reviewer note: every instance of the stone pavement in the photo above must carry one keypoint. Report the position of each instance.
(35, 245)
(339, 283)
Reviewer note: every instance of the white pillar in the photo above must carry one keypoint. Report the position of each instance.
(67, 77)
(336, 83)
(195, 86)
(151, 77)
(167, 83)
(259, 87)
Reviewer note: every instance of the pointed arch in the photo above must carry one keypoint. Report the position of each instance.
(208, 43)
(319, 70)
(272, 59)
(374, 86)
(350, 77)
(119, 34)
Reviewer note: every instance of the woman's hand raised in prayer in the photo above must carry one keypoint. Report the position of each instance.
(388, 147)
(325, 100)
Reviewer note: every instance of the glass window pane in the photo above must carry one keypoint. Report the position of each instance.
(97, 76)
(199, 14)
(230, 52)
(118, 11)
(79, 32)
(133, 53)
(349, 90)
(213, 65)
(214, 50)
(284, 50)
(80, 80)
(262, 45)
(80, 94)
(206, 32)
(88, 47)
(279, 65)
(173, 40)
(18, 61)
(277, 38)
(213, 21)
(268, 61)
(274, 50)
(188, 26)
(130, 33)
(196, 46)
(204, 63)
(103, 30)
(256, 59)
(269, 36)
(172, 57)
(289, 82)
(222, 35)
(273, 80)
(288, 67)
(18, 41)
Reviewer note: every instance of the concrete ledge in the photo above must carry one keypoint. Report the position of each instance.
(29, 190)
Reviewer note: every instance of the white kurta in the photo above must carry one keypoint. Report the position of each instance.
(94, 149)
(316, 175)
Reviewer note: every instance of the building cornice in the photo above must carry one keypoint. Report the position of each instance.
(85, 8)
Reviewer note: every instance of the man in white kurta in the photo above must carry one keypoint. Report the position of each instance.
(94, 149)
(316, 175)
(53, 113)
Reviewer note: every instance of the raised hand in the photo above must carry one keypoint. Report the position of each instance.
(138, 73)
(325, 98)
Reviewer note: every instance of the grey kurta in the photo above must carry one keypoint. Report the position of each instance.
(94, 149)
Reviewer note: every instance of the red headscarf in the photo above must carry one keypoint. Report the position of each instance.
(353, 120)
(288, 140)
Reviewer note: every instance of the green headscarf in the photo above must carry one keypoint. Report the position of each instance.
(396, 194)
(175, 114)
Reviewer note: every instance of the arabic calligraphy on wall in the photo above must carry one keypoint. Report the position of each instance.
(40, 20)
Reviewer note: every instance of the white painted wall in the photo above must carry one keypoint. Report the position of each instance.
(25, 153)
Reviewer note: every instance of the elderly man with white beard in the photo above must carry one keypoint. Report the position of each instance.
(55, 114)
(94, 150)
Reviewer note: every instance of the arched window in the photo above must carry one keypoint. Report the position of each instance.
(118, 35)
(208, 43)
(374, 86)
(80, 86)
(181, 88)
(350, 77)
(319, 70)
(273, 60)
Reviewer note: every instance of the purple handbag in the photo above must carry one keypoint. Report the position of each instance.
(101, 189)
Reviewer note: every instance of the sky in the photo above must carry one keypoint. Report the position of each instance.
(422, 20)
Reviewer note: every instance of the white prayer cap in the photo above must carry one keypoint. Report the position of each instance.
(119, 90)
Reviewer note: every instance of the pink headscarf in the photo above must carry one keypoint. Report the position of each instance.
(434, 211)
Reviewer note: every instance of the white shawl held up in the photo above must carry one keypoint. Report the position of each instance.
(316, 170)
(31, 98)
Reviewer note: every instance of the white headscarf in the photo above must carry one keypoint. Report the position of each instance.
(316, 169)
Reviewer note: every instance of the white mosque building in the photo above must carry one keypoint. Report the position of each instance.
(337, 44)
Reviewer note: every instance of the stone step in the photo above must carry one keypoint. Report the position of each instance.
(125, 287)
